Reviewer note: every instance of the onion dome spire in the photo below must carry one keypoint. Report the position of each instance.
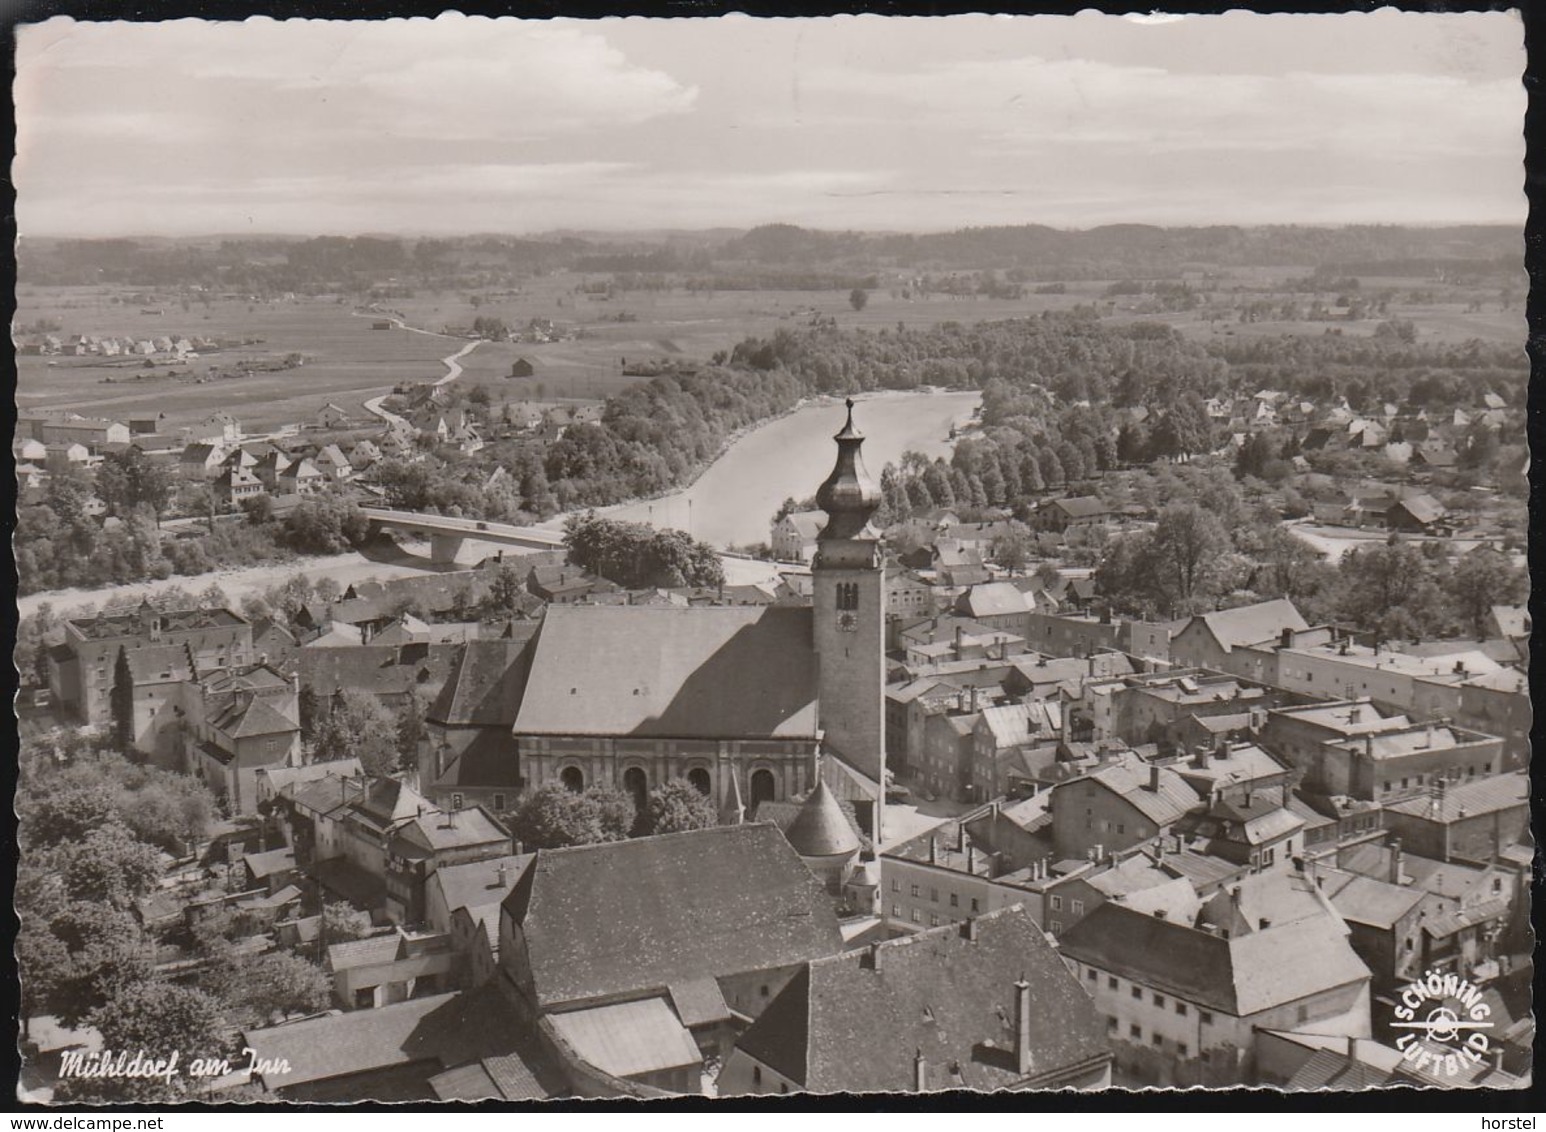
(849, 497)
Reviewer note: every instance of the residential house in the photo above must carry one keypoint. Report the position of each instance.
(81, 667)
(1472, 820)
(688, 930)
(302, 477)
(419, 846)
(1209, 639)
(235, 485)
(381, 970)
(874, 1020)
(1123, 803)
(1060, 515)
(793, 537)
(1184, 1005)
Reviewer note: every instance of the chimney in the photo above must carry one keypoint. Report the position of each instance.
(1154, 778)
(1159, 913)
(1497, 1059)
(960, 640)
(1022, 1026)
(960, 837)
(503, 874)
(1368, 745)
(1354, 714)
(969, 929)
(1460, 668)
(1287, 639)
(920, 1073)
(1352, 1048)
(1395, 861)
(1202, 758)
(1265, 923)
(1428, 738)
(933, 850)
(971, 858)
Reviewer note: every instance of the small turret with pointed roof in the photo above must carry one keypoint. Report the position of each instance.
(849, 497)
(820, 830)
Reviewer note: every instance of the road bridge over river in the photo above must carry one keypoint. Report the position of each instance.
(447, 533)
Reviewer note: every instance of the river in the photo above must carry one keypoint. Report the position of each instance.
(733, 502)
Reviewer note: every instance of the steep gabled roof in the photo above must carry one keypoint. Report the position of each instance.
(1241, 976)
(857, 1022)
(640, 915)
(1252, 624)
(485, 685)
(705, 671)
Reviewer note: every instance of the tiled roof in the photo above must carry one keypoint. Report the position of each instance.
(629, 1038)
(992, 598)
(1448, 923)
(1081, 507)
(476, 884)
(698, 1002)
(109, 626)
(447, 830)
(258, 718)
(1130, 778)
(267, 864)
(1365, 900)
(1241, 976)
(706, 671)
(384, 670)
(1328, 1069)
(1252, 624)
(629, 916)
(820, 829)
(485, 685)
(433, 1033)
(280, 777)
(363, 952)
(856, 1022)
(1483, 796)
(488, 761)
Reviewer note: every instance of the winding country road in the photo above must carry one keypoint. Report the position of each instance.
(453, 371)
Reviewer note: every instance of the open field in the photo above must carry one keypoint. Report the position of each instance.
(346, 360)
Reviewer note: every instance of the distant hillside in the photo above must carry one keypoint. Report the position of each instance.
(805, 256)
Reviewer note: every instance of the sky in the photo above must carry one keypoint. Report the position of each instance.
(466, 124)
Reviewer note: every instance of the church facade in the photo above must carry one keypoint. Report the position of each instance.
(738, 700)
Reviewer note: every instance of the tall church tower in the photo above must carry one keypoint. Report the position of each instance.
(848, 585)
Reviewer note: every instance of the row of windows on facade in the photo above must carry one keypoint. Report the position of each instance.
(1452, 774)
(955, 900)
(1182, 1009)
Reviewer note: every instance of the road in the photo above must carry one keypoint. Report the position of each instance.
(453, 371)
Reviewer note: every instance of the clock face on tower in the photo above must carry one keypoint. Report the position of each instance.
(848, 622)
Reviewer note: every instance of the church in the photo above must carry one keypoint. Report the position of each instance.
(738, 700)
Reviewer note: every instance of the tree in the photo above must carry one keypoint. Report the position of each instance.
(553, 817)
(106, 951)
(64, 813)
(121, 702)
(676, 805)
(858, 298)
(342, 923)
(130, 479)
(1188, 543)
(326, 525)
(159, 1018)
(1012, 551)
(1391, 590)
(109, 866)
(258, 990)
(356, 724)
(411, 730)
(1480, 580)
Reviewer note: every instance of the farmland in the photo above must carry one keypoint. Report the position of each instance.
(604, 318)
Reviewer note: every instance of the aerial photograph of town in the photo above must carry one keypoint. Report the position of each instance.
(661, 558)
